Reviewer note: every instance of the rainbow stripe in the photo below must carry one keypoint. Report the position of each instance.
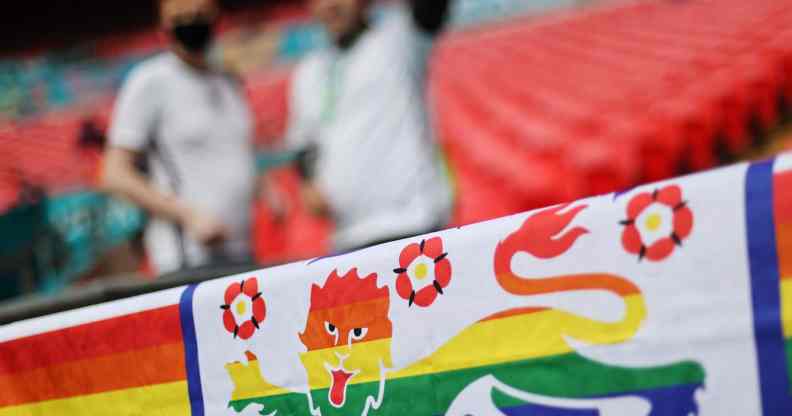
(127, 365)
(538, 364)
(782, 207)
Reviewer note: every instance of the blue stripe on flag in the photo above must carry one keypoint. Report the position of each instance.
(191, 351)
(765, 292)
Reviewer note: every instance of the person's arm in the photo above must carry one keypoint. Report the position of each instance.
(135, 116)
(120, 177)
(298, 138)
(267, 192)
(430, 15)
(311, 196)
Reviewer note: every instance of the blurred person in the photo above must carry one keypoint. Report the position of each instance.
(193, 124)
(358, 112)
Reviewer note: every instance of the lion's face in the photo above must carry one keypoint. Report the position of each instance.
(347, 335)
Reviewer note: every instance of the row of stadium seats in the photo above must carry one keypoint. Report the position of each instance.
(601, 99)
(45, 152)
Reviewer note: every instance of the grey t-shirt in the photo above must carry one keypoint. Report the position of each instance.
(365, 109)
(195, 129)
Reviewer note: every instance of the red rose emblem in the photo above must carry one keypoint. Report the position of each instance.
(244, 308)
(656, 223)
(424, 271)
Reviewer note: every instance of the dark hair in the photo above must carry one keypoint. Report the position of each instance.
(91, 135)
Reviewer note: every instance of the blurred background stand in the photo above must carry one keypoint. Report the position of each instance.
(534, 103)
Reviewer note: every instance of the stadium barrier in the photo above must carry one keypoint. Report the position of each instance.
(108, 290)
(622, 304)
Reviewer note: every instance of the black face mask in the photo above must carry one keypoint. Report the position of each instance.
(195, 35)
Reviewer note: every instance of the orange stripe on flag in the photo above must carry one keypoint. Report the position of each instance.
(784, 244)
(782, 211)
(139, 368)
(513, 312)
(591, 281)
(111, 336)
(371, 314)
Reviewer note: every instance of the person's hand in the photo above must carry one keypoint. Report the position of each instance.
(204, 228)
(276, 203)
(279, 210)
(314, 201)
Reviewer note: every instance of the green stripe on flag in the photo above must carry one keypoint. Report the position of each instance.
(568, 375)
(789, 359)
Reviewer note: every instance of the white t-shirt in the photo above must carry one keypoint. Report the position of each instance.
(195, 129)
(365, 108)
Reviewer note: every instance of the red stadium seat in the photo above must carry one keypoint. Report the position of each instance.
(535, 111)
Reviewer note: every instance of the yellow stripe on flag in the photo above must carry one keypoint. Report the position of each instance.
(490, 342)
(528, 336)
(248, 382)
(786, 306)
(162, 399)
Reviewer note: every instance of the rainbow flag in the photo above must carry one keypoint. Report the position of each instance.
(671, 299)
(127, 364)
(782, 204)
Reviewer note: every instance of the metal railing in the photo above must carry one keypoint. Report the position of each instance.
(109, 289)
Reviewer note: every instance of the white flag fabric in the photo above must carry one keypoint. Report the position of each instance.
(670, 299)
